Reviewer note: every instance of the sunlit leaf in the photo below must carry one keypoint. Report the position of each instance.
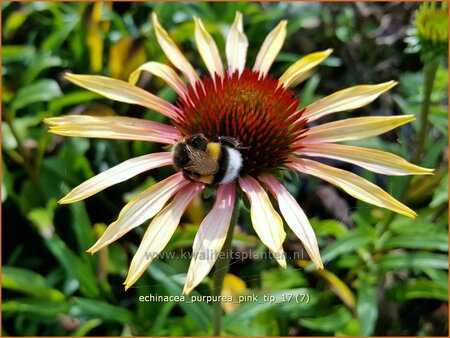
(35, 307)
(335, 320)
(30, 283)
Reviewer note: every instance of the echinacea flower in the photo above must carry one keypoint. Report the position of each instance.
(429, 32)
(260, 112)
(432, 22)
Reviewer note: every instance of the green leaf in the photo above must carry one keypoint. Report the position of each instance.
(431, 241)
(367, 307)
(335, 320)
(40, 63)
(13, 22)
(17, 52)
(328, 227)
(36, 307)
(437, 276)
(440, 123)
(441, 193)
(417, 289)
(347, 243)
(84, 308)
(57, 36)
(299, 298)
(308, 91)
(42, 218)
(401, 225)
(30, 283)
(276, 279)
(81, 225)
(412, 261)
(40, 91)
(199, 312)
(86, 327)
(75, 267)
(71, 99)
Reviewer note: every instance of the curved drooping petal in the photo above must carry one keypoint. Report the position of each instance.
(164, 72)
(210, 237)
(113, 127)
(354, 185)
(160, 231)
(173, 53)
(267, 223)
(141, 208)
(270, 48)
(295, 218)
(356, 128)
(117, 174)
(374, 160)
(207, 49)
(236, 47)
(297, 71)
(123, 92)
(346, 99)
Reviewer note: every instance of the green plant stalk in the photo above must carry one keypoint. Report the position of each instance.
(430, 70)
(221, 267)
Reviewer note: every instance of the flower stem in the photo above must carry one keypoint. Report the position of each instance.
(430, 70)
(221, 267)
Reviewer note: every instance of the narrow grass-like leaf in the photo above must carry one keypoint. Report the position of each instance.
(30, 283)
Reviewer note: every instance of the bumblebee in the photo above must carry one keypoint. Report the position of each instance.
(217, 161)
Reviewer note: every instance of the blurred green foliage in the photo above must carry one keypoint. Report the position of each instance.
(379, 280)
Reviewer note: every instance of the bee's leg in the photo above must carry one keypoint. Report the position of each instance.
(191, 176)
(229, 141)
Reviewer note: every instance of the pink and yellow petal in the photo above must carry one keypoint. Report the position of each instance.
(160, 231)
(117, 174)
(354, 185)
(173, 53)
(270, 48)
(371, 159)
(295, 218)
(356, 128)
(141, 208)
(210, 237)
(236, 46)
(164, 72)
(347, 99)
(295, 73)
(267, 223)
(113, 127)
(123, 92)
(207, 49)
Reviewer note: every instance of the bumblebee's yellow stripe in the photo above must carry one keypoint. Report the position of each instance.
(213, 150)
(207, 179)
